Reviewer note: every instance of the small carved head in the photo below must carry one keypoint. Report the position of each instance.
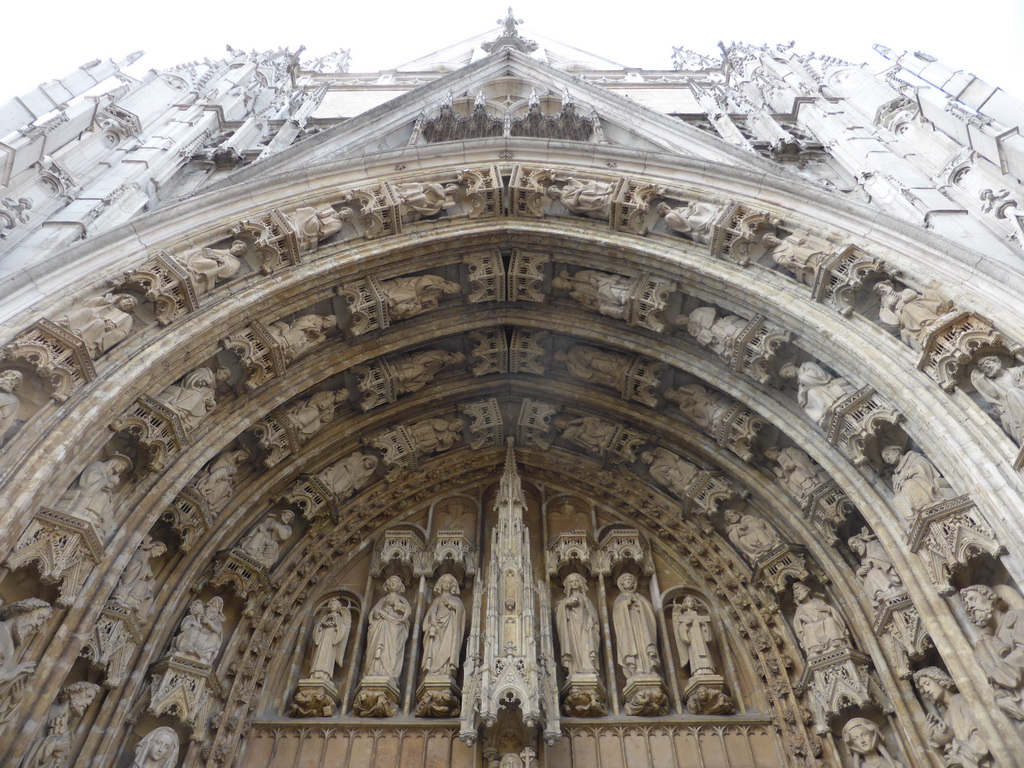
(771, 453)
(861, 736)
(981, 602)
(626, 583)
(10, 380)
(446, 584)
(158, 748)
(215, 608)
(574, 582)
(238, 248)
(990, 365)
(79, 696)
(26, 618)
(892, 454)
(801, 592)
(394, 585)
(932, 682)
(126, 303)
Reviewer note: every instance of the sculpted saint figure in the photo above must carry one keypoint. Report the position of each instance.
(443, 628)
(52, 749)
(797, 472)
(915, 481)
(387, 633)
(596, 365)
(313, 225)
(605, 293)
(718, 334)
(801, 253)
(583, 197)
(102, 321)
(862, 738)
(692, 626)
(136, 587)
(264, 541)
(195, 396)
(310, 415)
(91, 496)
(409, 296)
(957, 732)
(674, 473)
(1000, 645)
(753, 536)
(636, 634)
(817, 392)
(10, 382)
(434, 435)
(157, 749)
(218, 483)
(1003, 388)
(579, 630)
(694, 220)
(201, 632)
(18, 623)
(818, 625)
(300, 335)
(909, 312)
(700, 406)
(349, 474)
(881, 582)
(415, 371)
(588, 432)
(330, 636)
(208, 265)
(426, 199)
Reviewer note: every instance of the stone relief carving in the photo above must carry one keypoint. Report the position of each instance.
(801, 253)
(615, 443)
(424, 199)
(10, 404)
(955, 730)
(817, 392)
(753, 536)
(207, 266)
(409, 296)
(718, 334)
(578, 627)
(383, 380)
(728, 422)
(52, 747)
(297, 337)
(263, 543)
(19, 622)
(201, 632)
(157, 749)
(698, 489)
(91, 496)
(1000, 645)
(582, 196)
(695, 220)
(909, 313)
(798, 473)
(881, 581)
(314, 225)
(638, 300)
(862, 738)
(102, 322)
(136, 586)
(1002, 387)
(953, 344)
(287, 429)
(386, 635)
(691, 625)
(916, 482)
(349, 475)
(194, 397)
(57, 355)
(595, 365)
(216, 482)
(819, 627)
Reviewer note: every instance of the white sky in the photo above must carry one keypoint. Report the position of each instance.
(46, 39)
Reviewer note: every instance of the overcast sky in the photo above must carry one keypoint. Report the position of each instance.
(45, 40)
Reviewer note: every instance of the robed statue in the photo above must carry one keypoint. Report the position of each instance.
(636, 634)
(579, 631)
(388, 631)
(443, 628)
(330, 636)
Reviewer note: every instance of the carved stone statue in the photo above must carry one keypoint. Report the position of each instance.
(433, 435)
(1003, 388)
(102, 321)
(409, 296)
(596, 365)
(301, 334)
(915, 481)
(310, 415)
(1000, 645)
(636, 633)
(605, 293)
(330, 637)
(862, 738)
(583, 197)
(718, 334)
(18, 623)
(674, 473)
(957, 732)
(313, 225)
(10, 383)
(909, 312)
(52, 748)
(218, 482)
(426, 199)
(818, 625)
(751, 535)
(694, 220)
(91, 496)
(349, 474)
(201, 632)
(443, 628)
(208, 265)
(415, 371)
(817, 392)
(195, 396)
(387, 633)
(881, 581)
(588, 432)
(699, 405)
(692, 628)
(264, 541)
(578, 627)
(136, 587)
(801, 253)
(797, 472)
(157, 749)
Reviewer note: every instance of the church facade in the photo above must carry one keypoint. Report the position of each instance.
(513, 408)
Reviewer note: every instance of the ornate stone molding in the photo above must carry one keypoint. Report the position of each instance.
(860, 424)
(190, 516)
(237, 569)
(902, 634)
(165, 283)
(840, 277)
(185, 689)
(837, 681)
(158, 431)
(258, 352)
(485, 424)
(55, 353)
(271, 238)
(113, 642)
(738, 229)
(956, 342)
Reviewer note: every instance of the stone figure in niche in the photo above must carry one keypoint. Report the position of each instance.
(1000, 645)
(136, 587)
(310, 415)
(10, 383)
(18, 623)
(718, 334)
(349, 474)
(915, 481)
(605, 293)
(818, 625)
(301, 334)
(443, 628)
(195, 396)
(208, 265)
(415, 371)
(881, 581)
(910, 313)
(583, 197)
(588, 432)
(433, 435)
(598, 366)
(91, 496)
(797, 472)
(330, 637)
(426, 199)
(695, 220)
(218, 483)
(751, 535)
(674, 473)
(579, 630)
(692, 628)
(264, 541)
(862, 738)
(102, 321)
(387, 633)
(52, 748)
(1003, 388)
(201, 632)
(409, 296)
(817, 392)
(313, 225)
(698, 405)
(956, 733)
(801, 253)
(157, 749)
(636, 633)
